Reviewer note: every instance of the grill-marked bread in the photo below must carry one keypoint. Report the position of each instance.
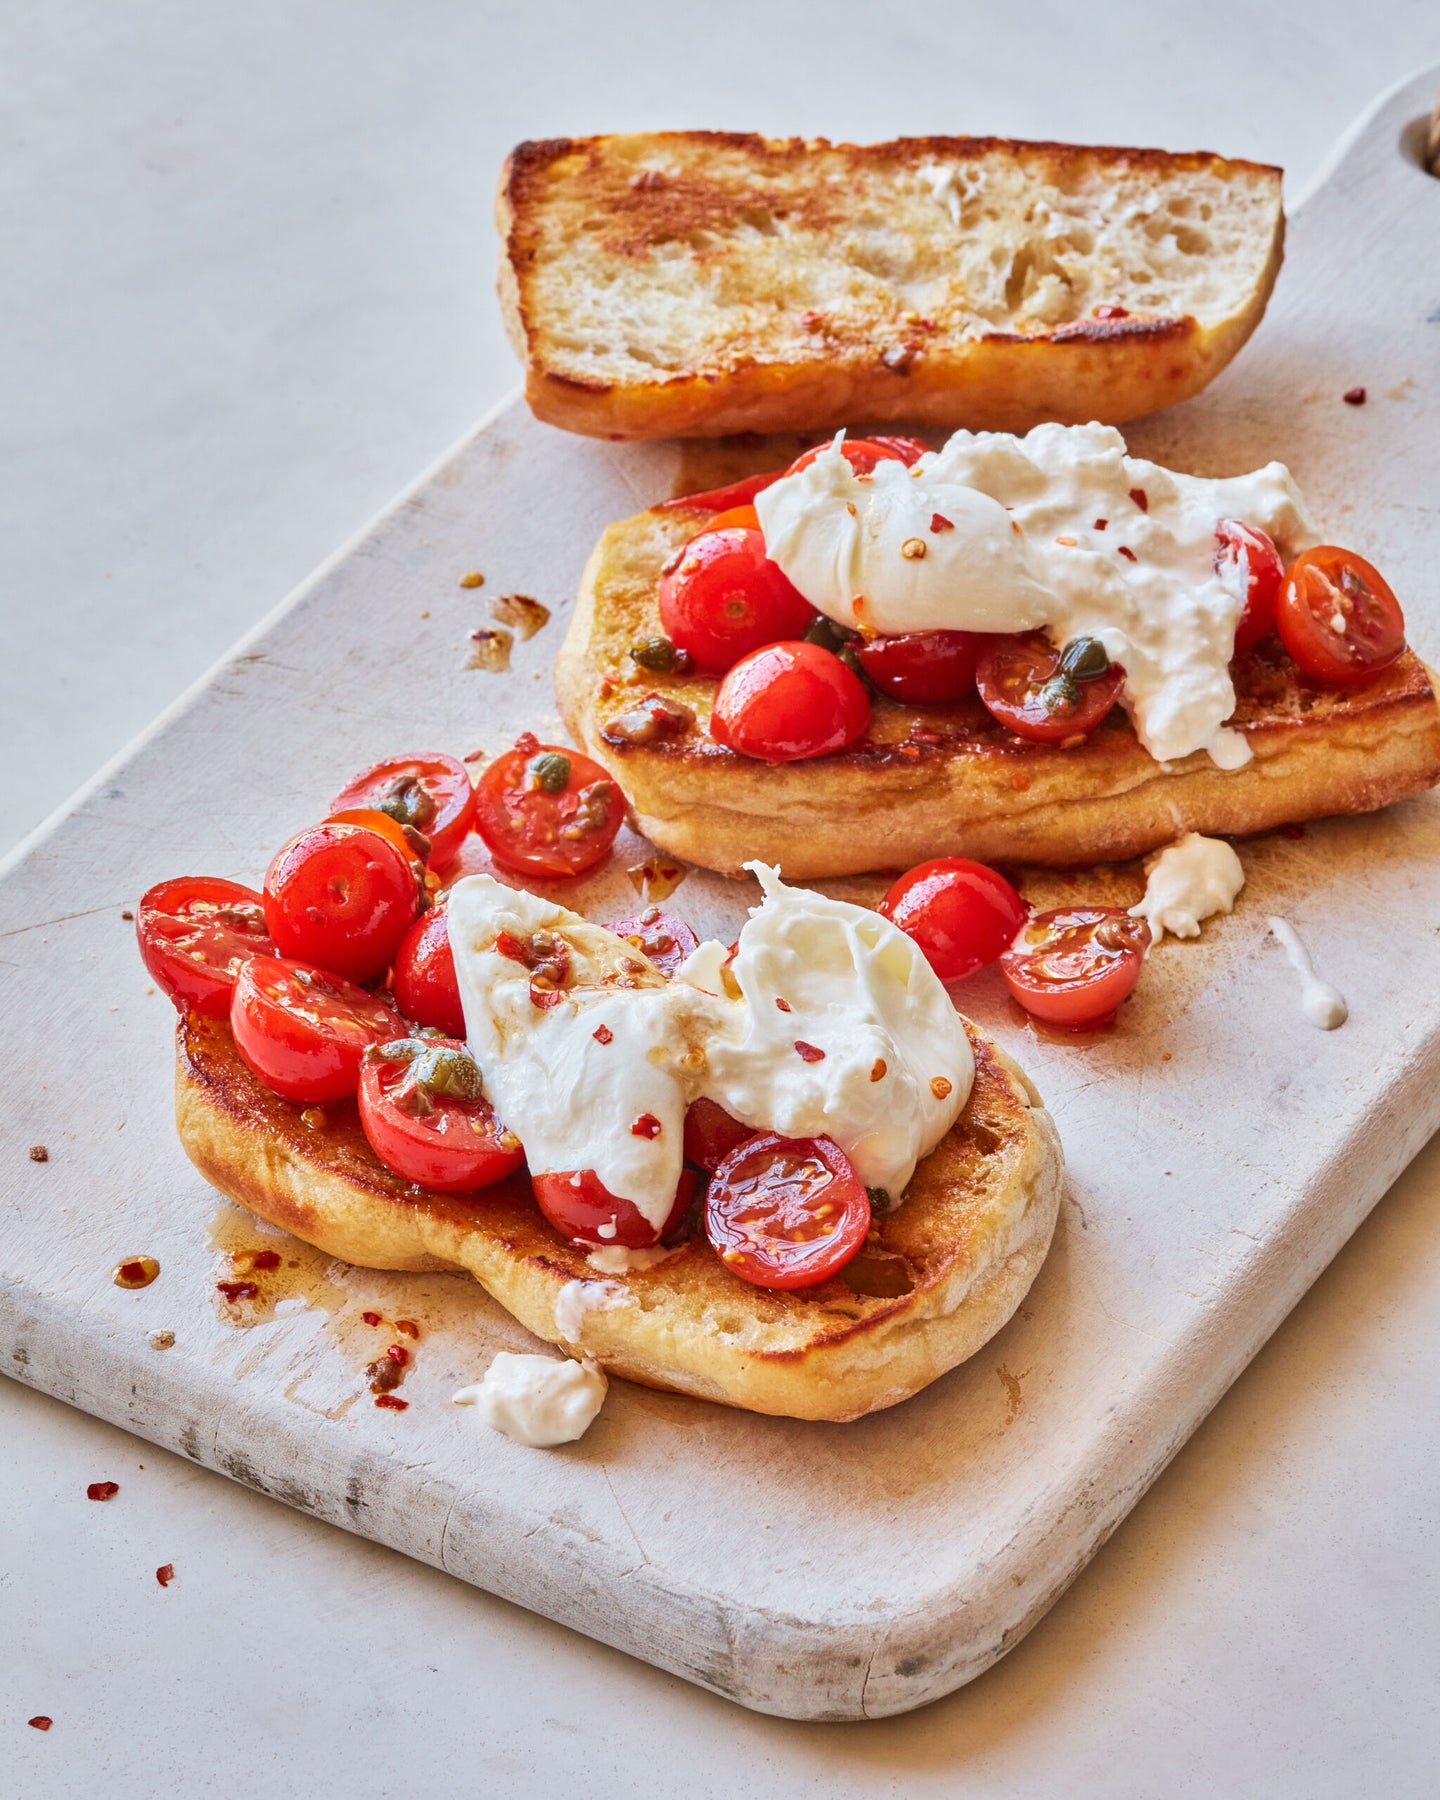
(696, 283)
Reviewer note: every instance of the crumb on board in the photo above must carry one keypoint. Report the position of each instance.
(1354, 396)
(39, 1153)
(472, 578)
(526, 615)
(161, 1340)
(490, 650)
(127, 915)
(165, 1574)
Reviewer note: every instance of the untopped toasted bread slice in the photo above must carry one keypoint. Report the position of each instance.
(954, 782)
(695, 283)
(937, 1278)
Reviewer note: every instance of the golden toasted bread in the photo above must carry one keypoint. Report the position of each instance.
(938, 1276)
(954, 782)
(695, 283)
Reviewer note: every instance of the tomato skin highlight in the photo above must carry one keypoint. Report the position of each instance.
(455, 1147)
(723, 597)
(552, 835)
(194, 933)
(922, 668)
(787, 702)
(1326, 584)
(1244, 552)
(407, 787)
(304, 1031)
(711, 1133)
(340, 896)
(786, 1212)
(1012, 671)
(577, 1204)
(424, 981)
(962, 914)
(1073, 966)
(666, 939)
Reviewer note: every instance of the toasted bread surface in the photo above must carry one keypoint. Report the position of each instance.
(697, 283)
(938, 1277)
(953, 782)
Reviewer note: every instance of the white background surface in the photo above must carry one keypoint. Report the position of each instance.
(246, 280)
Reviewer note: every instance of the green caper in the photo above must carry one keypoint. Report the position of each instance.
(407, 803)
(1059, 694)
(550, 771)
(439, 1069)
(881, 1200)
(1084, 659)
(821, 631)
(851, 661)
(654, 653)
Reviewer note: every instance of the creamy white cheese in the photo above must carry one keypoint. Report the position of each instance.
(867, 1049)
(1323, 1005)
(537, 1400)
(1003, 533)
(1188, 882)
(576, 1299)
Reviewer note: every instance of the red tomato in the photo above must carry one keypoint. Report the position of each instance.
(786, 1212)
(546, 811)
(961, 914)
(711, 1133)
(303, 1031)
(863, 453)
(789, 701)
(577, 1205)
(384, 825)
(427, 1118)
(1338, 617)
(737, 518)
(343, 897)
(1074, 966)
(1022, 681)
(1248, 563)
(723, 499)
(922, 668)
(194, 934)
(432, 793)
(664, 938)
(424, 981)
(721, 596)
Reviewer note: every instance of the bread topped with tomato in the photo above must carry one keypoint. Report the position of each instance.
(740, 721)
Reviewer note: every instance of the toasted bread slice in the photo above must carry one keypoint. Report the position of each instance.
(938, 1277)
(954, 783)
(693, 283)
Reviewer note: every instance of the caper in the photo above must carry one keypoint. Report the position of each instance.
(443, 1070)
(851, 661)
(401, 1050)
(654, 653)
(881, 1200)
(1059, 694)
(549, 771)
(1084, 658)
(822, 632)
(407, 803)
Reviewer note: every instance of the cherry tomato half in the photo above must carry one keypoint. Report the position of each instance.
(432, 793)
(303, 1031)
(1248, 563)
(1022, 682)
(1073, 967)
(789, 701)
(1338, 617)
(862, 454)
(721, 596)
(786, 1212)
(664, 938)
(961, 914)
(194, 934)
(922, 668)
(427, 1118)
(577, 1204)
(711, 1133)
(734, 518)
(546, 811)
(424, 981)
(343, 897)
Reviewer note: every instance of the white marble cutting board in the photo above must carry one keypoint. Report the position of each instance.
(1220, 1149)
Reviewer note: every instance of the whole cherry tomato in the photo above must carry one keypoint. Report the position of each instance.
(922, 668)
(961, 914)
(1045, 694)
(786, 1212)
(303, 1031)
(583, 1210)
(546, 811)
(664, 938)
(1248, 563)
(343, 897)
(711, 1133)
(862, 454)
(424, 981)
(424, 1111)
(789, 701)
(194, 934)
(1073, 967)
(430, 793)
(1338, 617)
(721, 596)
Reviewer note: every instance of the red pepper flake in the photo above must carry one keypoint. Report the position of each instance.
(1125, 551)
(646, 1126)
(41, 1722)
(128, 915)
(398, 1354)
(1112, 312)
(392, 1402)
(473, 756)
(135, 1272)
(808, 1052)
(1141, 498)
(371, 1318)
(264, 1259)
(938, 522)
(165, 1574)
(602, 1034)
(1100, 524)
(508, 945)
(784, 1005)
(38, 1153)
(237, 1290)
(102, 1490)
(1354, 396)
(407, 1328)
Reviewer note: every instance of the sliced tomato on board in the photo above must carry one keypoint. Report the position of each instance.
(194, 933)
(424, 1110)
(1250, 567)
(424, 981)
(786, 1212)
(1044, 694)
(922, 668)
(430, 793)
(664, 938)
(961, 913)
(343, 897)
(711, 1133)
(547, 811)
(1074, 966)
(1338, 617)
(721, 597)
(787, 702)
(303, 1031)
(582, 1209)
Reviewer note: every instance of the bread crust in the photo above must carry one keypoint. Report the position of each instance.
(878, 361)
(964, 1247)
(953, 783)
